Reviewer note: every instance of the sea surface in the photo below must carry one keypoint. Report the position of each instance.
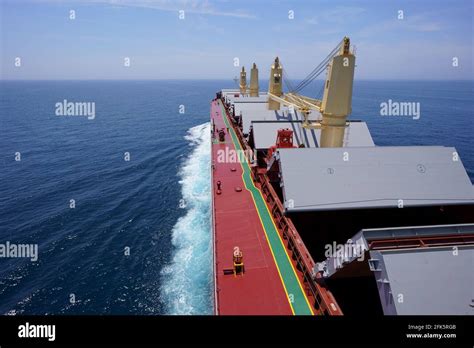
(137, 239)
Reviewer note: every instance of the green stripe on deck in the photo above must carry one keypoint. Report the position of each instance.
(295, 293)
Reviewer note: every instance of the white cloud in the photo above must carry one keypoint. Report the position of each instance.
(420, 23)
(190, 6)
(340, 14)
(312, 20)
(413, 60)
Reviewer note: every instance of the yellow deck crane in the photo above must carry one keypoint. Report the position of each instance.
(337, 98)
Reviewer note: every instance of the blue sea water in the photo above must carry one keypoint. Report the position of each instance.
(158, 203)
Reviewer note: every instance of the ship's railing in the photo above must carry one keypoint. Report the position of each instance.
(421, 242)
(324, 302)
(214, 249)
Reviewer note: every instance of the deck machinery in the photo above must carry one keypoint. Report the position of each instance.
(325, 221)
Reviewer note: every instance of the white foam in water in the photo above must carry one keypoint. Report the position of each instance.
(187, 281)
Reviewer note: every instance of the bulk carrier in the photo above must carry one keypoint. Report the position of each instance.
(318, 220)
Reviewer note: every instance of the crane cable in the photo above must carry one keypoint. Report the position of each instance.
(287, 81)
(318, 70)
(319, 95)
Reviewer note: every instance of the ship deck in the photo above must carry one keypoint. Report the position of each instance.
(270, 284)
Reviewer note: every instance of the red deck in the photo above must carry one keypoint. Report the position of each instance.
(236, 223)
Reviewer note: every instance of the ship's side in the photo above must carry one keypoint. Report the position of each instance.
(270, 282)
(310, 217)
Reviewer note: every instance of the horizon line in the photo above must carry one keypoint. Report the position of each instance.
(229, 79)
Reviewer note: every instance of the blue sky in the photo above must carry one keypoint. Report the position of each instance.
(204, 44)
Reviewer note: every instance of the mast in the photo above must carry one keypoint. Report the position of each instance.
(275, 85)
(254, 81)
(337, 98)
(243, 81)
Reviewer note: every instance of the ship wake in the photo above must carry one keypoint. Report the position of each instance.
(187, 280)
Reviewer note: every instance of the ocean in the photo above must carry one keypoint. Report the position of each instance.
(119, 203)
